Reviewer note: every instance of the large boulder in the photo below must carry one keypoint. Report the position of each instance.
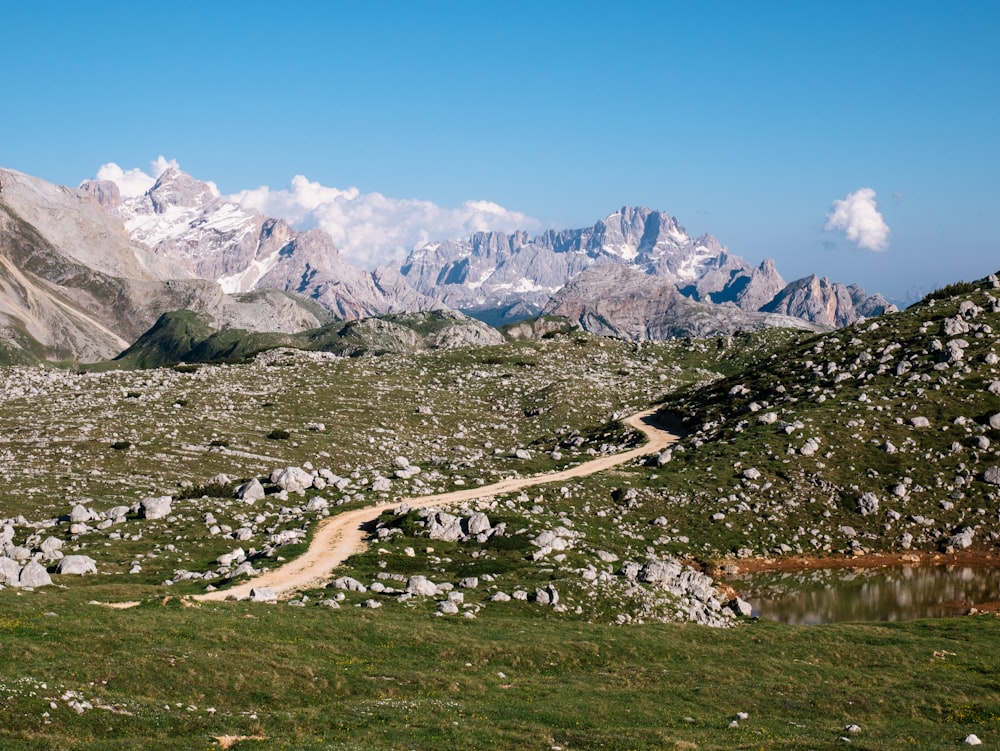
(10, 571)
(263, 594)
(962, 539)
(478, 523)
(50, 545)
(80, 513)
(292, 479)
(77, 564)
(34, 575)
(660, 572)
(349, 583)
(156, 508)
(421, 585)
(443, 526)
(251, 492)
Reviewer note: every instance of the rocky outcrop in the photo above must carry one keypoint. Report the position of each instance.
(828, 303)
(186, 336)
(626, 303)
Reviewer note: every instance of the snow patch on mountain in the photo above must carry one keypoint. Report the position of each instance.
(247, 279)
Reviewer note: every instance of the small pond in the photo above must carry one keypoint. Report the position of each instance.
(893, 593)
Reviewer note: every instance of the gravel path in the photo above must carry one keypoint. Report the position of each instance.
(339, 537)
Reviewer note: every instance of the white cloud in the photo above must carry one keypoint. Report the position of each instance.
(858, 217)
(371, 229)
(135, 182)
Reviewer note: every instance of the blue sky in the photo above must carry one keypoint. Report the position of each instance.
(743, 119)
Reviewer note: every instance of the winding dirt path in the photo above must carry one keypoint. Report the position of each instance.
(339, 537)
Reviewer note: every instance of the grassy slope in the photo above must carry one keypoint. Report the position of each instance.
(185, 336)
(847, 391)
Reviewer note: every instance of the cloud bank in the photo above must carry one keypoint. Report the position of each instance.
(370, 229)
(858, 217)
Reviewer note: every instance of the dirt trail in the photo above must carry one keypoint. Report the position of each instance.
(339, 537)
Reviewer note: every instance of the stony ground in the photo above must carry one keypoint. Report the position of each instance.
(875, 438)
(190, 478)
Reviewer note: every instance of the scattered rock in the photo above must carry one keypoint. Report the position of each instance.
(868, 504)
(447, 607)
(348, 583)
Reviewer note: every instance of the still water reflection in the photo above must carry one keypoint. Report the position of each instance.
(884, 594)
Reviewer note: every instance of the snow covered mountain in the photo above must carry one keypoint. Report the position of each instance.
(188, 223)
(500, 278)
(74, 286)
(496, 277)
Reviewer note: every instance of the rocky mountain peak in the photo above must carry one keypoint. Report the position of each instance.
(105, 192)
(186, 221)
(623, 301)
(174, 187)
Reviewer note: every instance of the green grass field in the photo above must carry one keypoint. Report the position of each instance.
(169, 676)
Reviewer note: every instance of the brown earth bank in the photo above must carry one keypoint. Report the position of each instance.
(868, 560)
(974, 558)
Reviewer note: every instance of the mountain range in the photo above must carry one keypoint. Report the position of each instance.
(84, 272)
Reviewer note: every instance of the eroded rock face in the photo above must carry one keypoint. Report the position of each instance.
(515, 274)
(211, 237)
(112, 288)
